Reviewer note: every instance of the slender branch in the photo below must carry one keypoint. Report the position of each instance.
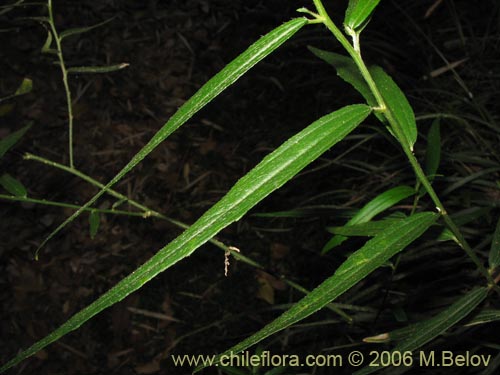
(64, 73)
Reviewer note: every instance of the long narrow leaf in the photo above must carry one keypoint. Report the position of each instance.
(94, 222)
(484, 317)
(12, 139)
(274, 170)
(397, 104)
(359, 265)
(81, 30)
(433, 152)
(227, 76)
(13, 186)
(494, 255)
(369, 229)
(377, 205)
(423, 332)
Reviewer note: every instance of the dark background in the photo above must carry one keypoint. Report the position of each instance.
(173, 47)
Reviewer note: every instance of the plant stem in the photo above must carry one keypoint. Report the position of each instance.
(148, 212)
(64, 72)
(66, 205)
(356, 56)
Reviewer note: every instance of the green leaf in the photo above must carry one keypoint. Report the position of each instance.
(25, 87)
(12, 139)
(218, 83)
(377, 205)
(433, 152)
(96, 69)
(348, 71)
(94, 222)
(483, 317)
(423, 332)
(369, 229)
(494, 255)
(13, 186)
(461, 218)
(42, 20)
(81, 30)
(359, 265)
(270, 174)
(397, 104)
(358, 12)
(48, 43)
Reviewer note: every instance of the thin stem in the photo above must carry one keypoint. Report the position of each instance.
(66, 205)
(64, 72)
(148, 212)
(356, 56)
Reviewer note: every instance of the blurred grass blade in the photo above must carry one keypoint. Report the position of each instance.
(483, 317)
(94, 222)
(369, 229)
(377, 205)
(359, 265)
(494, 255)
(218, 83)
(348, 71)
(270, 174)
(25, 87)
(397, 104)
(358, 12)
(96, 69)
(7, 8)
(423, 332)
(13, 186)
(433, 152)
(81, 30)
(12, 139)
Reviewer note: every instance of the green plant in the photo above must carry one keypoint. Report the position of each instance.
(389, 105)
